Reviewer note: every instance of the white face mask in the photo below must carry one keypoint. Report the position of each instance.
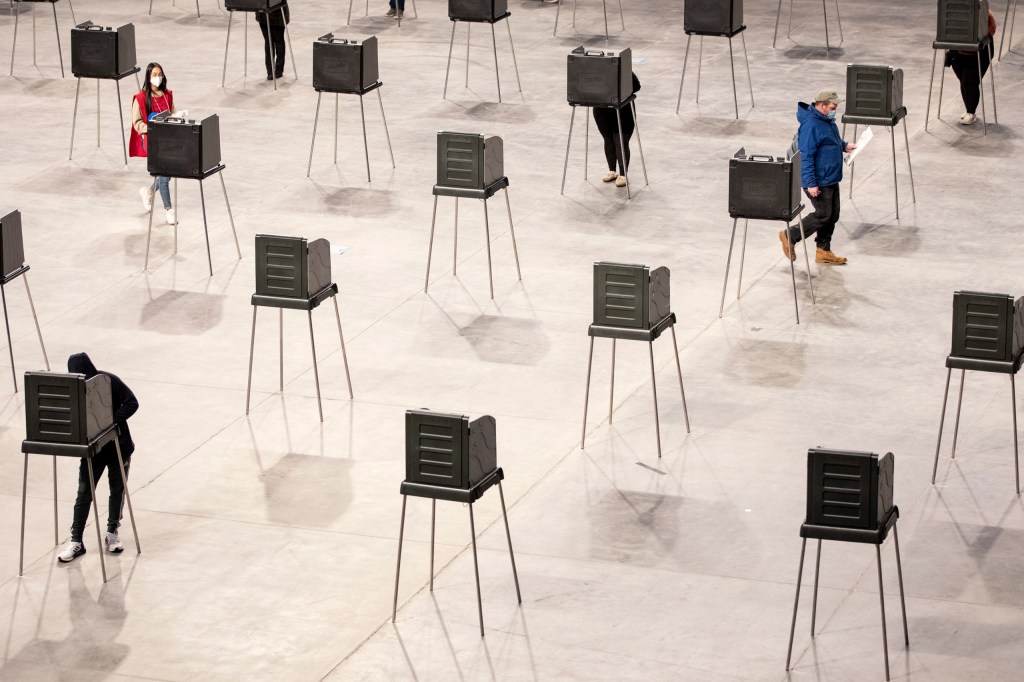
(156, 81)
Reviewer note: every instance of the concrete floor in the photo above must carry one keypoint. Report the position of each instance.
(269, 541)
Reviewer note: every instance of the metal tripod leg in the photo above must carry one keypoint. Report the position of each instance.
(814, 598)
(682, 78)
(679, 371)
(654, 391)
(508, 536)
(448, 68)
(839, 20)
(512, 231)
(586, 395)
(611, 392)
(316, 372)
(476, 571)
(899, 573)
(10, 347)
(807, 259)
(700, 59)
(206, 229)
(942, 84)
(959, 402)
(487, 231)
(639, 143)
(252, 346)
(1016, 456)
(35, 318)
(799, 575)
(120, 113)
(96, 517)
(149, 232)
(366, 145)
(743, 258)
(778, 15)
(344, 354)
(732, 70)
(74, 118)
(931, 82)
(906, 143)
(622, 149)
(316, 118)
(280, 350)
(728, 259)
(455, 242)
(336, 97)
(992, 83)
(586, 146)
(127, 496)
(398, 566)
(97, 113)
(227, 42)
(513, 47)
(895, 182)
(24, 488)
(881, 602)
(622, 17)
(433, 525)
(288, 35)
(494, 44)
(60, 54)
(387, 135)
(430, 247)
(942, 420)
(750, 83)
(824, 10)
(565, 167)
(981, 89)
(56, 537)
(231, 217)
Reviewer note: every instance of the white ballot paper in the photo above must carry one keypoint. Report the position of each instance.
(861, 143)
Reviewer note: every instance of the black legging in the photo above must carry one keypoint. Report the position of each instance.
(609, 129)
(277, 36)
(965, 66)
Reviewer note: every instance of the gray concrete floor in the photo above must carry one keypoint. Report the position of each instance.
(270, 540)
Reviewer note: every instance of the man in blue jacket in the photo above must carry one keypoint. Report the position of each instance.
(821, 151)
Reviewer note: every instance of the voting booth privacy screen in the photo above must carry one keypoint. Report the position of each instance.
(448, 449)
(714, 17)
(291, 267)
(848, 489)
(181, 148)
(599, 79)
(630, 296)
(66, 408)
(102, 52)
(343, 65)
(469, 160)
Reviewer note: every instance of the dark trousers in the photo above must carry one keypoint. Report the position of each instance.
(277, 36)
(608, 126)
(821, 223)
(105, 459)
(401, 4)
(965, 66)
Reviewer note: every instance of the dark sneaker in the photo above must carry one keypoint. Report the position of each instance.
(788, 252)
(72, 551)
(828, 258)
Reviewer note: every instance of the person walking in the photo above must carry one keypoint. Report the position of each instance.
(154, 98)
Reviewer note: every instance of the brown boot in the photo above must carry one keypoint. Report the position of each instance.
(828, 258)
(789, 253)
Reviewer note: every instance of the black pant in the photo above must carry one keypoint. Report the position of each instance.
(277, 36)
(105, 459)
(608, 126)
(965, 66)
(821, 223)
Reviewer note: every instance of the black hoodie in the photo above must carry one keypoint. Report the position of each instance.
(123, 400)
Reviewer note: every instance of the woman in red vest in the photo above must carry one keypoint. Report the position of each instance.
(154, 98)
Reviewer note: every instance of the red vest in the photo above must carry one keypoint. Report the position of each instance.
(137, 142)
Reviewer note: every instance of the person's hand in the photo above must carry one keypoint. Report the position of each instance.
(813, 191)
(850, 147)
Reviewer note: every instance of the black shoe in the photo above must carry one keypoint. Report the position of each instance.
(279, 75)
(270, 77)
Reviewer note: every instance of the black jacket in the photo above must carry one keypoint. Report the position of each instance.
(122, 399)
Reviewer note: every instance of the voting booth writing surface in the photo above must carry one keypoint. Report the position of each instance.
(448, 457)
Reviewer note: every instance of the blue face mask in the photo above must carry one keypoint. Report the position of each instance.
(831, 115)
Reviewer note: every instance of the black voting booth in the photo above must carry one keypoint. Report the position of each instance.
(600, 80)
(103, 53)
(849, 499)
(470, 166)
(988, 336)
(67, 415)
(259, 7)
(765, 188)
(721, 18)
(472, 12)
(350, 67)
(189, 149)
(632, 302)
(12, 258)
(294, 273)
(874, 96)
(448, 457)
(824, 10)
(962, 26)
(604, 9)
(16, 7)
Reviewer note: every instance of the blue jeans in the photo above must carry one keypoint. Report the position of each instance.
(162, 182)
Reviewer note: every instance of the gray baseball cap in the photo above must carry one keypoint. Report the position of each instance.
(828, 96)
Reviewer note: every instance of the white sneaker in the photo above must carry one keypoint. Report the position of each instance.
(113, 543)
(620, 181)
(609, 176)
(968, 119)
(170, 216)
(147, 198)
(72, 551)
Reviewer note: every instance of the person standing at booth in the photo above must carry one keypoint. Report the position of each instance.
(821, 150)
(154, 98)
(965, 66)
(608, 126)
(124, 405)
(272, 24)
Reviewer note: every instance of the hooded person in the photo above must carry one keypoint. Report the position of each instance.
(821, 170)
(124, 405)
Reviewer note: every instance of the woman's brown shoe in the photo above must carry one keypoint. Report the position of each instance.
(785, 246)
(828, 258)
